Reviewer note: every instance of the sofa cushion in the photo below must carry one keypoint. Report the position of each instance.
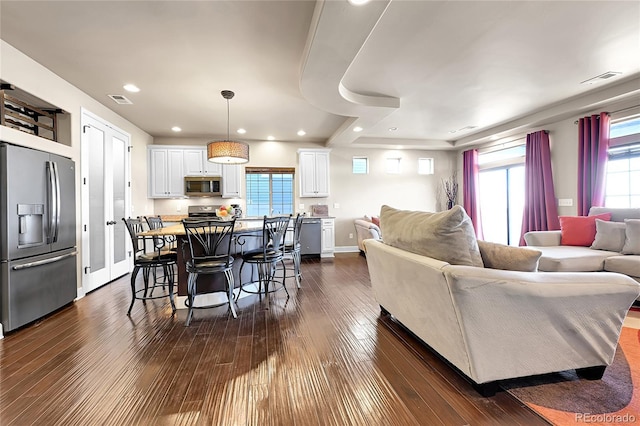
(447, 236)
(572, 259)
(632, 237)
(579, 230)
(617, 214)
(500, 256)
(609, 235)
(628, 265)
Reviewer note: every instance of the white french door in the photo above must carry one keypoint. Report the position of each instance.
(106, 199)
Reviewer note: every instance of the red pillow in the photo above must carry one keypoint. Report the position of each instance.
(376, 221)
(579, 230)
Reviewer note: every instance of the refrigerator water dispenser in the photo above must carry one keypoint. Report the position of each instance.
(30, 225)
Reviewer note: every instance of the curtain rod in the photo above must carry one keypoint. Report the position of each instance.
(613, 112)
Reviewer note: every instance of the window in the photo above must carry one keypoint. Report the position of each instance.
(501, 183)
(393, 165)
(425, 166)
(360, 165)
(623, 168)
(269, 191)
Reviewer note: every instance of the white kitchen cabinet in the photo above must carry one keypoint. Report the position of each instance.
(166, 172)
(314, 172)
(231, 180)
(328, 237)
(211, 169)
(196, 163)
(193, 163)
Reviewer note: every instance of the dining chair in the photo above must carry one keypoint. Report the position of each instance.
(209, 241)
(291, 247)
(266, 258)
(147, 262)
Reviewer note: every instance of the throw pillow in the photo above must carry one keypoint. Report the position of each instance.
(446, 236)
(375, 220)
(609, 236)
(579, 230)
(632, 237)
(509, 258)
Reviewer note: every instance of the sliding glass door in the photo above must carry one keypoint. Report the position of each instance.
(502, 204)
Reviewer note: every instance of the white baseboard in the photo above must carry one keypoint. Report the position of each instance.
(80, 293)
(1, 334)
(347, 249)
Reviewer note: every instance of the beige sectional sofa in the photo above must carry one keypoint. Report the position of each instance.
(493, 324)
(558, 258)
(366, 229)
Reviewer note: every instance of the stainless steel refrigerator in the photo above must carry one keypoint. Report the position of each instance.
(37, 234)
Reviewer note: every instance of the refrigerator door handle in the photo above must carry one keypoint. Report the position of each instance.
(43, 262)
(51, 201)
(56, 218)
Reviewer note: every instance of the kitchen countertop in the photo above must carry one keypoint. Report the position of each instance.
(178, 217)
(240, 227)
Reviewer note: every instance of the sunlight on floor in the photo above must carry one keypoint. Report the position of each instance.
(633, 319)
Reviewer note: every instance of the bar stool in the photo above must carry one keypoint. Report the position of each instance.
(266, 258)
(292, 247)
(209, 242)
(148, 261)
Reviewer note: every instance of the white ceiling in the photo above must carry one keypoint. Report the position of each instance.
(424, 67)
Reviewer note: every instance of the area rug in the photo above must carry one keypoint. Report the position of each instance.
(564, 399)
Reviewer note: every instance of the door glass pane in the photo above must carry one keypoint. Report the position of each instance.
(493, 205)
(516, 203)
(119, 160)
(97, 222)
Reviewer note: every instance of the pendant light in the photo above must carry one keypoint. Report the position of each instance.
(228, 151)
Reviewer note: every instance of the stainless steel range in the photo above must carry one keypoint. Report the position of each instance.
(208, 211)
(202, 211)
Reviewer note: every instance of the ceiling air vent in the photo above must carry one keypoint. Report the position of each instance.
(120, 99)
(607, 75)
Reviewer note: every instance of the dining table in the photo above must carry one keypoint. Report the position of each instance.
(246, 236)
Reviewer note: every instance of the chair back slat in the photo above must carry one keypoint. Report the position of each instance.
(155, 222)
(273, 232)
(297, 229)
(209, 238)
(135, 226)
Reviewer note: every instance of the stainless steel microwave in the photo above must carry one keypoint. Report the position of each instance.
(202, 186)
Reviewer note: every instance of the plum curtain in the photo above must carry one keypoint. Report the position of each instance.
(593, 143)
(471, 188)
(540, 208)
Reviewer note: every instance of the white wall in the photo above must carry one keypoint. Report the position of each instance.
(28, 75)
(356, 195)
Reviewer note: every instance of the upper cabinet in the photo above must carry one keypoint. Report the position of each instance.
(196, 163)
(231, 180)
(314, 172)
(166, 172)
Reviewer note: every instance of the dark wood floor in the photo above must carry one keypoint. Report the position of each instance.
(322, 357)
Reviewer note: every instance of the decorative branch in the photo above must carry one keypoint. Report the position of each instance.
(450, 186)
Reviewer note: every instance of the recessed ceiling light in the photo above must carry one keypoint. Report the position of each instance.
(358, 2)
(357, 129)
(393, 129)
(301, 133)
(131, 88)
(242, 131)
(271, 138)
(176, 129)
